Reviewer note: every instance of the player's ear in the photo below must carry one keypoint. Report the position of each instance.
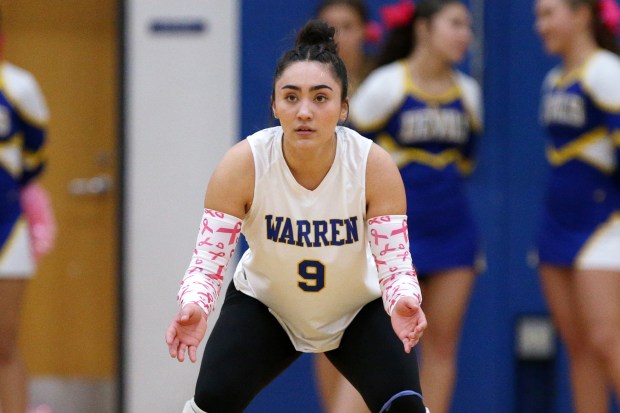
(273, 109)
(344, 110)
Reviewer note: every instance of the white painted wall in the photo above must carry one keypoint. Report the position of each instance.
(181, 116)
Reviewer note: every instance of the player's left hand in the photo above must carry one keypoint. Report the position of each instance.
(186, 331)
(408, 322)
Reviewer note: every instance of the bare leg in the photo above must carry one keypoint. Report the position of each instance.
(13, 380)
(337, 394)
(438, 353)
(326, 378)
(587, 376)
(599, 299)
(445, 299)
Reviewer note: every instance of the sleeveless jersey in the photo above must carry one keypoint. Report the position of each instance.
(581, 113)
(309, 260)
(431, 138)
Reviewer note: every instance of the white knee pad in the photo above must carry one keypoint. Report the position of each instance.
(190, 407)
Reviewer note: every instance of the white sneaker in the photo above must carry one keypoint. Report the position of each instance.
(190, 407)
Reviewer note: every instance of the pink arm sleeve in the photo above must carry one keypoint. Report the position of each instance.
(215, 246)
(37, 207)
(389, 243)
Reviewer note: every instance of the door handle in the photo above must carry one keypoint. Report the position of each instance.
(97, 185)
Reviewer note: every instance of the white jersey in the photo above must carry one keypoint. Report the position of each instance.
(309, 259)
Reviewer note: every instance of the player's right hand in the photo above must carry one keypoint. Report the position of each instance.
(186, 331)
(408, 322)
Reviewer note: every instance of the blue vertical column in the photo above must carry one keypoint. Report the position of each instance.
(535, 373)
(484, 379)
(506, 194)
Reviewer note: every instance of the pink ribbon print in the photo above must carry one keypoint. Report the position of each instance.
(215, 246)
(389, 243)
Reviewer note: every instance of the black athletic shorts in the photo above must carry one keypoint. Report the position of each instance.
(248, 348)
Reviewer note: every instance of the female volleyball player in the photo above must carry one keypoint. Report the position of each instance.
(328, 267)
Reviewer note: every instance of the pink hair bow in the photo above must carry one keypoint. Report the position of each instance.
(610, 15)
(373, 32)
(397, 15)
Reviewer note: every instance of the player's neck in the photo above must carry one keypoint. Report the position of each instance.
(429, 65)
(309, 167)
(430, 73)
(578, 53)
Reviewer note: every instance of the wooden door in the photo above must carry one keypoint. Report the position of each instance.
(70, 46)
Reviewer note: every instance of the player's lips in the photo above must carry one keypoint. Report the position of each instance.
(304, 130)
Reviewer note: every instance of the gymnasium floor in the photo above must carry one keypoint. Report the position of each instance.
(74, 396)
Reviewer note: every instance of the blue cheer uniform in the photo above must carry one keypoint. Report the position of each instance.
(580, 111)
(23, 116)
(432, 139)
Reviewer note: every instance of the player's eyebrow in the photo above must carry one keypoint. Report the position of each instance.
(312, 88)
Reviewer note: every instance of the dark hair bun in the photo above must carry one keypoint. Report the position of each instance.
(317, 32)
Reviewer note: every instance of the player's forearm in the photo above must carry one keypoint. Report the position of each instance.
(215, 246)
(389, 243)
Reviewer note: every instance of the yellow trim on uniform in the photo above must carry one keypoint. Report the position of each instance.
(598, 232)
(37, 123)
(40, 124)
(15, 142)
(615, 109)
(564, 80)
(465, 166)
(404, 156)
(450, 95)
(11, 238)
(33, 159)
(379, 124)
(568, 78)
(411, 88)
(573, 149)
(474, 123)
(615, 137)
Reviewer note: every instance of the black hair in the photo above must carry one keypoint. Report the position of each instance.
(358, 5)
(603, 35)
(314, 43)
(401, 40)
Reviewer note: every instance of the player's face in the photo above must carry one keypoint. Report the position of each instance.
(349, 29)
(556, 24)
(450, 32)
(307, 100)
